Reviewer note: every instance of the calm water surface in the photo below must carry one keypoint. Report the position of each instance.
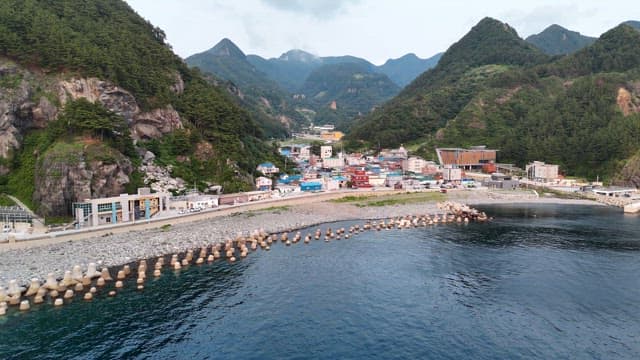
(544, 281)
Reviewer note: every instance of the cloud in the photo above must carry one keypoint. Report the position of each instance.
(322, 9)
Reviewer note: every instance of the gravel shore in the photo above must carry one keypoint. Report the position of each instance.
(40, 258)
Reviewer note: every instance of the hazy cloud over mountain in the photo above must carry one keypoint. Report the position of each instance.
(316, 8)
(373, 29)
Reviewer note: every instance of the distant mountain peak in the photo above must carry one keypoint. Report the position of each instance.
(489, 23)
(299, 56)
(557, 40)
(633, 23)
(226, 47)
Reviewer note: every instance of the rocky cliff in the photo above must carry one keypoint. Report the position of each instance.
(68, 173)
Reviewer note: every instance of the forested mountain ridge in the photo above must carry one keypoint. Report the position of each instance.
(73, 72)
(343, 91)
(556, 40)
(424, 106)
(580, 111)
(405, 69)
(353, 85)
(292, 68)
(270, 106)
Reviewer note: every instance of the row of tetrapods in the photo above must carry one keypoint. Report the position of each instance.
(76, 282)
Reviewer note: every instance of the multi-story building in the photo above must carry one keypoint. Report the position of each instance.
(539, 171)
(469, 159)
(120, 209)
(268, 168)
(326, 152)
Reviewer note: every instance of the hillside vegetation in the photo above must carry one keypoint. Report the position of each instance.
(492, 88)
(106, 39)
(556, 40)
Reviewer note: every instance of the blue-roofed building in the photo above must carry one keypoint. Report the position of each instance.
(311, 186)
(268, 168)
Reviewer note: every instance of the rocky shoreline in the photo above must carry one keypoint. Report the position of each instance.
(118, 249)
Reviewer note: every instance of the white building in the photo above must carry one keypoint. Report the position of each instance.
(539, 171)
(333, 163)
(305, 153)
(452, 174)
(326, 152)
(263, 183)
(120, 209)
(202, 201)
(415, 164)
(268, 168)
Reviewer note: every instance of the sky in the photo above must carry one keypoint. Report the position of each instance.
(372, 29)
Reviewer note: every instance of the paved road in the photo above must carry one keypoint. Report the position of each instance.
(58, 237)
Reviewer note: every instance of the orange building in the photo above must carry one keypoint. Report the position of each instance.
(332, 135)
(473, 158)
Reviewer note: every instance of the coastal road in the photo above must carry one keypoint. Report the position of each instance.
(59, 237)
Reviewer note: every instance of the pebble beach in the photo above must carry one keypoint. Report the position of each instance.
(38, 258)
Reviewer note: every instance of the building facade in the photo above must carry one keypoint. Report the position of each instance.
(120, 209)
(539, 171)
(326, 152)
(469, 159)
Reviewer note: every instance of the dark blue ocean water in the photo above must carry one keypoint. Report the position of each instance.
(543, 282)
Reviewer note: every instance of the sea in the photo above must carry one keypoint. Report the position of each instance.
(537, 282)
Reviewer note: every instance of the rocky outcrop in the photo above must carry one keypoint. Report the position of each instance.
(149, 125)
(154, 124)
(12, 99)
(628, 102)
(630, 173)
(109, 95)
(178, 85)
(69, 173)
(159, 179)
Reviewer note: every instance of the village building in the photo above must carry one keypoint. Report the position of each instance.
(393, 180)
(311, 186)
(501, 181)
(615, 191)
(193, 200)
(452, 174)
(120, 209)
(359, 178)
(356, 159)
(326, 152)
(263, 183)
(418, 165)
(473, 158)
(331, 136)
(333, 163)
(541, 172)
(268, 168)
(398, 154)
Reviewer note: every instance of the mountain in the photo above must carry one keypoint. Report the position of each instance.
(228, 62)
(87, 87)
(405, 69)
(262, 96)
(634, 24)
(354, 85)
(342, 91)
(292, 68)
(425, 105)
(581, 111)
(556, 40)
